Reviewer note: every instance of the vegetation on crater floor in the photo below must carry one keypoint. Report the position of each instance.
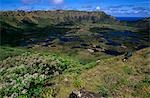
(37, 74)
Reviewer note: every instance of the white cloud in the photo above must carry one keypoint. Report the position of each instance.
(42, 1)
(97, 8)
(25, 8)
(58, 1)
(30, 1)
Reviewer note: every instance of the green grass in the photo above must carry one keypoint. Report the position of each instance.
(6, 52)
(104, 91)
(112, 78)
(25, 73)
(128, 70)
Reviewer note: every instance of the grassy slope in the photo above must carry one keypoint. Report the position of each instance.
(28, 73)
(112, 78)
(6, 52)
(42, 19)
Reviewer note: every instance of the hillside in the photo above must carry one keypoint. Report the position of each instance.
(20, 23)
(75, 33)
(37, 73)
(40, 19)
(50, 54)
(112, 78)
(59, 17)
(23, 28)
(143, 23)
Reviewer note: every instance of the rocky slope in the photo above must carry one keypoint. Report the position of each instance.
(30, 73)
(143, 23)
(60, 17)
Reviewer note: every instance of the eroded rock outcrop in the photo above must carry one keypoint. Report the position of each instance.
(82, 93)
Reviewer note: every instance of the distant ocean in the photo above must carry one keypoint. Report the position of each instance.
(129, 18)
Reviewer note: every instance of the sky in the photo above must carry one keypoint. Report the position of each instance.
(123, 8)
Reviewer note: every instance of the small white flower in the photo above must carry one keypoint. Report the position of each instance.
(24, 91)
(35, 75)
(14, 95)
(13, 82)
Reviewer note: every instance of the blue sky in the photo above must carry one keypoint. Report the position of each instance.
(127, 8)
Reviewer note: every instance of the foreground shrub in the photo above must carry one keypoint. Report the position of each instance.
(103, 91)
(26, 75)
(113, 83)
(6, 52)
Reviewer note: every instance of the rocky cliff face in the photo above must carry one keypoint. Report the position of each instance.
(60, 17)
(143, 24)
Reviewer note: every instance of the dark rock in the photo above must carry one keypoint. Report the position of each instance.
(84, 44)
(97, 46)
(53, 46)
(76, 47)
(113, 43)
(97, 49)
(113, 52)
(82, 93)
(142, 46)
(127, 56)
(29, 46)
(69, 39)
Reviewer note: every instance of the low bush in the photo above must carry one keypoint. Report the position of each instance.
(103, 91)
(113, 83)
(26, 75)
(6, 52)
(78, 82)
(128, 70)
